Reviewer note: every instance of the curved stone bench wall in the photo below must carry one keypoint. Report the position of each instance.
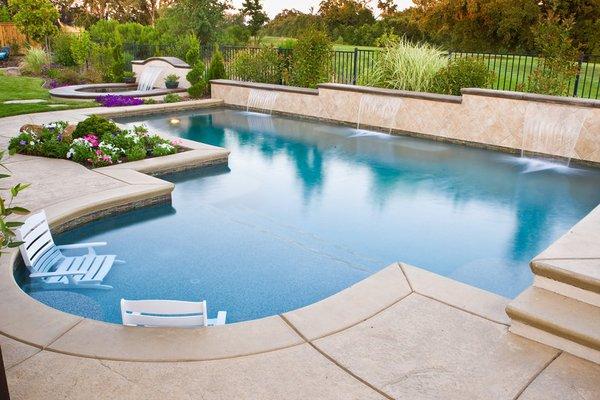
(508, 121)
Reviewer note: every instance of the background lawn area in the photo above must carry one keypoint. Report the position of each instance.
(28, 88)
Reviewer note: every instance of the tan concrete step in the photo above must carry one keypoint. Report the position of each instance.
(557, 321)
(575, 278)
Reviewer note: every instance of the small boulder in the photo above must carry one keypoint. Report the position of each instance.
(32, 128)
(67, 135)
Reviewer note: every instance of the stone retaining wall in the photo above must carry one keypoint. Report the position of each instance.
(556, 126)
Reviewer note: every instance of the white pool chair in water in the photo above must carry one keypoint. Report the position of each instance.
(168, 313)
(51, 269)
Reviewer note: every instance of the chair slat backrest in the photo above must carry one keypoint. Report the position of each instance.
(163, 313)
(38, 244)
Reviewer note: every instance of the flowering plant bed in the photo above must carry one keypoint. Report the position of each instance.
(110, 100)
(94, 142)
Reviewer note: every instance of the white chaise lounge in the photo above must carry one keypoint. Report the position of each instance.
(51, 269)
(171, 313)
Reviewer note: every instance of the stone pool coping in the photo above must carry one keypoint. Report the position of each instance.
(78, 92)
(28, 321)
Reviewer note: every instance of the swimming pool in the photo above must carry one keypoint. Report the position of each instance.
(306, 209)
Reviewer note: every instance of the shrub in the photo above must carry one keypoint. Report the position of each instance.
(150, 101)
(118, 101)
(97, 125)
(192, 56)
(172, 98)
(119, 63)
(163, 149)
(407, 66)
(101, 59)
(121, 140)
(34, 61)
(558, 57)
(263, 65)
(136, 153)
(61, 49)
(45, 142)
(216, 70)
(311, 60)
(462, 73)
(197, 79)
(80, 48)
(69, 76)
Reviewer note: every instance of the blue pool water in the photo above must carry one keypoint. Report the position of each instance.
(304, 210)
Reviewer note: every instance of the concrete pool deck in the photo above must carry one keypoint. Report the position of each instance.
(401, 333)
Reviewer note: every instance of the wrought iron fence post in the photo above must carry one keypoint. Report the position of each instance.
(579, 64)
(355, 67)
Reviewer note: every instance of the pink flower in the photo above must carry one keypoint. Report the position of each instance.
(176, 142)
(92, 139)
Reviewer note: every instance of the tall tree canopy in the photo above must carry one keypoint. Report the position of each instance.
(257, 17)
(204, 18)
(35, 18)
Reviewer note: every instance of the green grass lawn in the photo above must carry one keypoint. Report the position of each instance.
(28, 88)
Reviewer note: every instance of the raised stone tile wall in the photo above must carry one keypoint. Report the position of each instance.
(556, 126)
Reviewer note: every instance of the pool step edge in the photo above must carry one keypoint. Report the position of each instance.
(558, 321)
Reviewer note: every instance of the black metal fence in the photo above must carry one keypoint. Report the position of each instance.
(511, 71)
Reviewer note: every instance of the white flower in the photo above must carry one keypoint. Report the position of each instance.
(70, 153)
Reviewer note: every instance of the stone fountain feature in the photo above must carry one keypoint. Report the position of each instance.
(150, 73)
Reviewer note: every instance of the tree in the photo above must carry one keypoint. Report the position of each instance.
(387, 7)
(34, 18)
(479, 25)
(558, 56)
(345, 13)
(585, 14)
(345, 18)
(203, 18)
(253, 9)
(292, 23)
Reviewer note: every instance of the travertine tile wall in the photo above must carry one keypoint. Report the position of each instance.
(563, 130)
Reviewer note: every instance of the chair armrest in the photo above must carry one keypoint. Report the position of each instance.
(81, 245)
(51, 274)
(220, 320)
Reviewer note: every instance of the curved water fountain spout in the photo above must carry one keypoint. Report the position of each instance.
(148, 77)
(379, 111)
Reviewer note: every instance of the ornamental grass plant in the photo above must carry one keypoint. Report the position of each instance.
(407, 66)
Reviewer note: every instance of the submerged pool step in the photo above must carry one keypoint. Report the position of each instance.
(558, 321)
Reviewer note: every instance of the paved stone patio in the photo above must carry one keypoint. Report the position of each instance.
(402, 333)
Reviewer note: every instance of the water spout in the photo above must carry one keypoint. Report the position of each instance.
(379, 111)
(552, 131)
(261, 100)
(148, 77)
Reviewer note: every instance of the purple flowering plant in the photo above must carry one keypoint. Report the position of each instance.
(110, 100)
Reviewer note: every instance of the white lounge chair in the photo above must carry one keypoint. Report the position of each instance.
(50, 268)
(171, 313)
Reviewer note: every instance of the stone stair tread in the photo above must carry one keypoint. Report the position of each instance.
(559, 315)
(581, 273)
